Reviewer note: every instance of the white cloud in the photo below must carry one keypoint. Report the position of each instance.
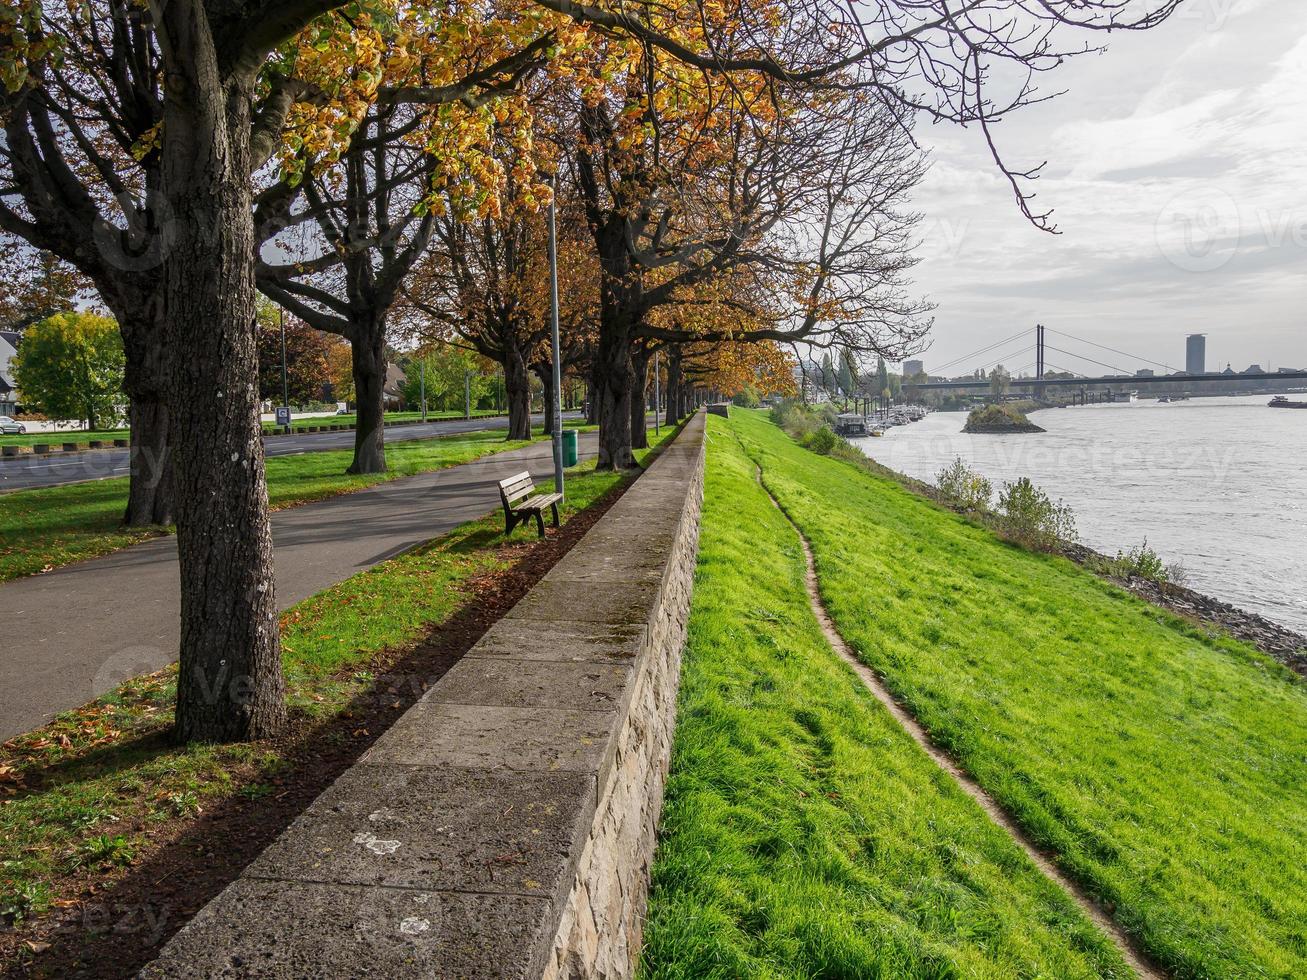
(1177, 163)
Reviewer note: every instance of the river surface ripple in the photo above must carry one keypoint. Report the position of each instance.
(1216, 484)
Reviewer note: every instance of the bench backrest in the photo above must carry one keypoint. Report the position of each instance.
(516, 487)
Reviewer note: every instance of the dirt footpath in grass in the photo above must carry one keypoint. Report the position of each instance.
(122, 919)
(1125, 945)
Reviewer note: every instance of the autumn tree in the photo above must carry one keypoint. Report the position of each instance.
(34, 284)
(227, 82)
(308, 370)
(70, 366)
(485, 283)
(82, 171)
(371, 210)
(449, 374)
(210, 92)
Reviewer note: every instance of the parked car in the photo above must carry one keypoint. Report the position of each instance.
(11, 427)
(342, 411)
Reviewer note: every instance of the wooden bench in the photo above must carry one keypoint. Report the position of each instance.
(521, 502)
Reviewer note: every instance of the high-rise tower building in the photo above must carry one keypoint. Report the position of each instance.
(1195, 353)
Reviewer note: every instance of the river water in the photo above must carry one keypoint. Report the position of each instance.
(1218, 485)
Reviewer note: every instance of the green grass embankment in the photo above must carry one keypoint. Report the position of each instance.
(1164, 767)
(102, 789)
(53, 526)
(804, 833)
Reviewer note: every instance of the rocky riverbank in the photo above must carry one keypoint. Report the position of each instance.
(1274, 640)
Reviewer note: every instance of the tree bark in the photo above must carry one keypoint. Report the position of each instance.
(546, 375)
(229, 685)
(615, 378)
(150, 487)
(639, 399)
(592, 397)
(368, 360)
(517, 390)
(673, 387)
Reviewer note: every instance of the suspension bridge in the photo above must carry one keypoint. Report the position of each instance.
(1018, 346)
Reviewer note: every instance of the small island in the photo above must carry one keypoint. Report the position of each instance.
(996, 419)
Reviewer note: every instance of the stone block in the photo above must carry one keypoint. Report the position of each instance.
(609, 603)
(478, 736)
(282, 930)
(525, 683)
(524, 639)
(417, 827)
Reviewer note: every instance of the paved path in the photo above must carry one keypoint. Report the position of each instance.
(28, 472)
(72, 634)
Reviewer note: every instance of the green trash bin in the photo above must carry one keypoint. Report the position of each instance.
(569, 447)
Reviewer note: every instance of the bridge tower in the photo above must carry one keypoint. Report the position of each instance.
(1039, 359)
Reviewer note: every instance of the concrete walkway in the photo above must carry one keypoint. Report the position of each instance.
(75, 633)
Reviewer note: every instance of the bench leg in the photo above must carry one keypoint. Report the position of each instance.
(540, 523)
(555, 509)
(510, 522)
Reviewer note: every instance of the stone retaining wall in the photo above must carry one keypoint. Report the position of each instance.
(505, 825)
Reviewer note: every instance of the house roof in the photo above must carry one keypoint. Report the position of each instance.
(394, 379)
(7, 351)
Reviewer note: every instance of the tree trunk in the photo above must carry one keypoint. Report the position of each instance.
(150, 487)
(615, 378)
(673, 387)
(546, 376)
(592, 397)
(517, 389)
(639, 399)
(229, 684)
(368, 359)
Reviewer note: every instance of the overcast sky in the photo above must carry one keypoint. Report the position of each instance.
(1177, 165)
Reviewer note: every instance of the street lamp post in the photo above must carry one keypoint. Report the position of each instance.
(553, 329)
(285, 384)
(658, 397)
(422, 385)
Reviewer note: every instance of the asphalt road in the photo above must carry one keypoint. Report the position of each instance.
(74, 633)
(29, 472)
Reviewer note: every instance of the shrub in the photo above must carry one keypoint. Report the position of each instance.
(823, 441)
(798, 420)
(964, 487)
(748, 398)
(1142, 561)
(1031, 519)
(1177, 574)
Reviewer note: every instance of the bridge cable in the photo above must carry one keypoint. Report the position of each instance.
(1112, 367)
(983, 350)
(1114, 350)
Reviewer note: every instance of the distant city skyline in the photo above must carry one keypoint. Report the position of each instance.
(1191, 347)
(1176, 163)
